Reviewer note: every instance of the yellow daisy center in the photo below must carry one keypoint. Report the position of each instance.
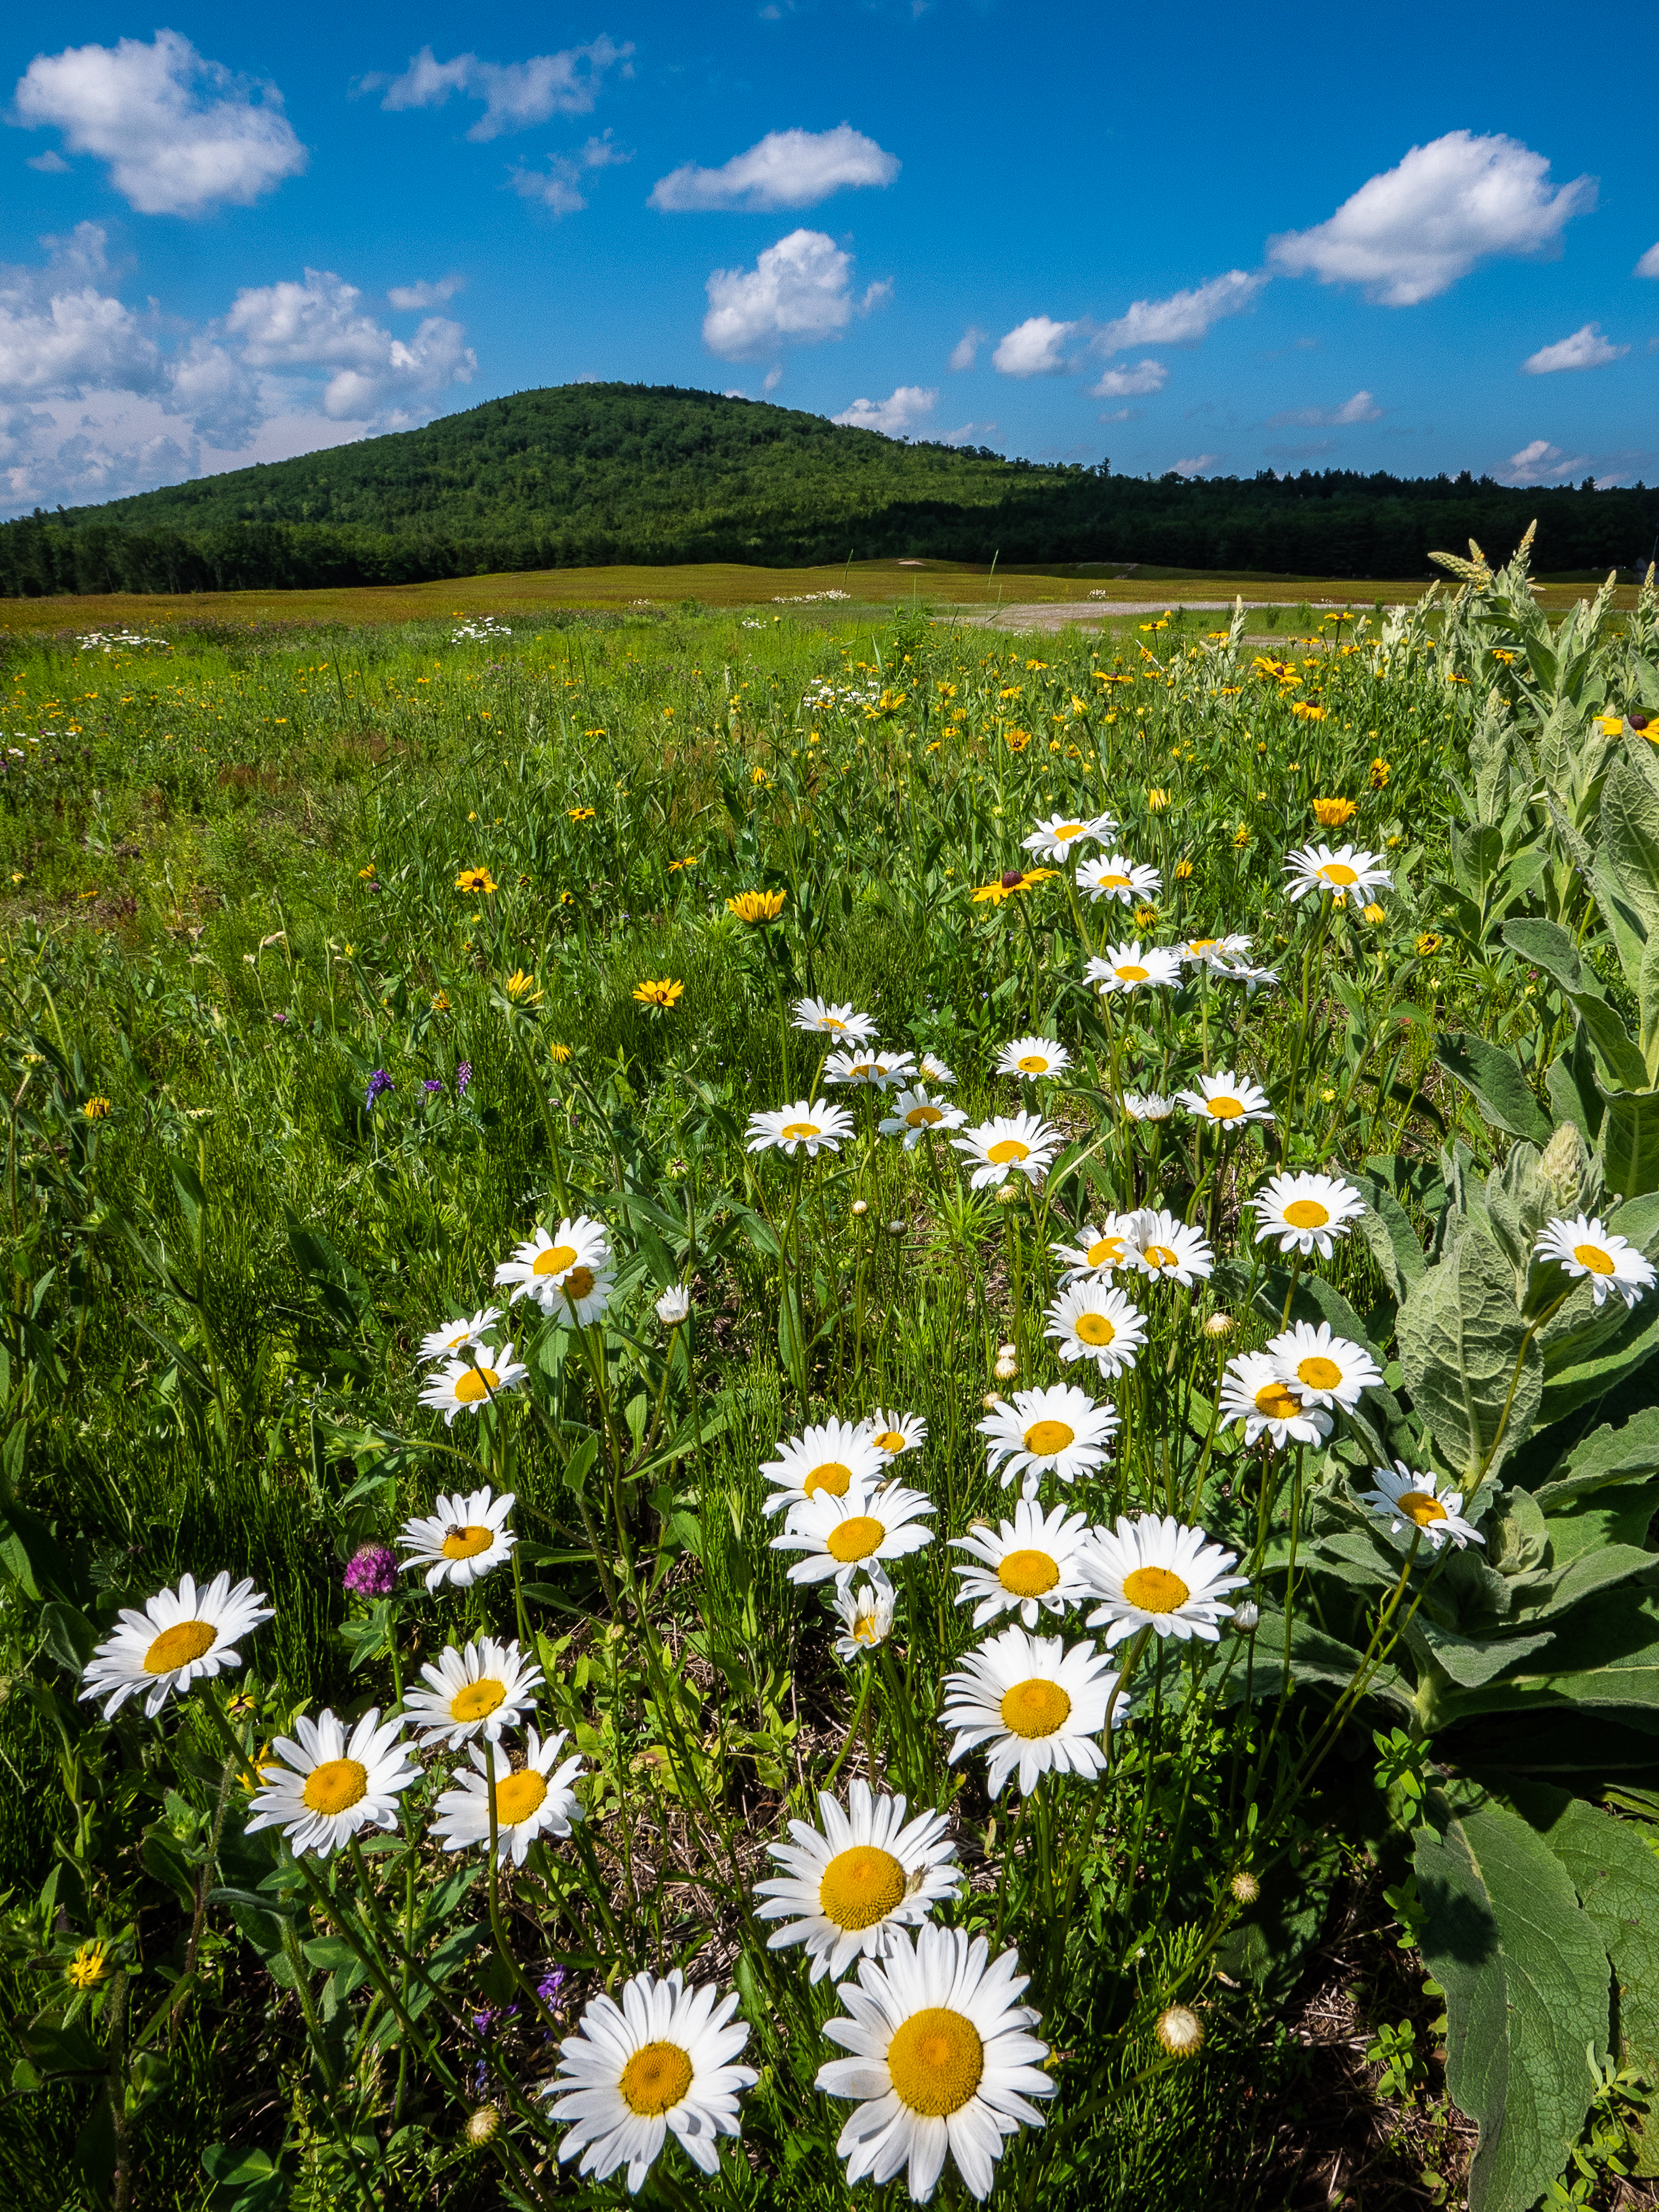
(1130, 974)
(1418, 1505)
(477, 1700)
(1032, 1063)
(923, 1117)
(889, 1440)
(1115, 883)
(1155, 1590)
(936, 2062)
(1224, 1110)
(467, 1543)
(554, 1260)
(1161, 1256)
(1069, 830)
(177, 1646)
(1035, 1708)
(1307, 1213)
(1104, 1249)
(477, 1382)
(517, 1795)
(831, 1476)
(1044, 1438)
(1591, 1256)
(830, 1022)
(1094, 1328)
(1028, 1574)
(860, 1887)
(655, 2079)
(1339, 872)
(336, 1786)
(1006, 1150)
(866, 1629)
(798, 1129)
(1275, 1402)
(863, 1067)
(1319, 1374)
(854, 1538)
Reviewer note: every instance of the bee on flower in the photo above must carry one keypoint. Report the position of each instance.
(461, 1539)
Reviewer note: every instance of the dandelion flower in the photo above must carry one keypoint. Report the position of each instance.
(839, 1536)
(1332, 813)
(1028, 1566)
(1033, 1056)
(819, 1018)
(1096, 1255)
(1413, 1503)
(1253, 1390)
(894, 1433)
(1306, 1212)
(942, 2059)
(867, 1616)
(853, 1884)
(1584, 1248)
(322, 1786)
(1321, 1368)
(1090, 1321)
(661, 2059)
(1154, 1573)
(478, 1691)
(1036, 1703)
(810, 1123)
(1127, 968)
(1316, 868)
(456, 1337)
(534, 1800)
(1059, 1428)
(1167, 1249)
(832, 1456)
(460, 1539)
(1053, 839)
(568, 1270)
(915, 1115)
(1009, 1144)
(1119, 878)
(465, 1388)
(1228, 1100)
(180, 1634)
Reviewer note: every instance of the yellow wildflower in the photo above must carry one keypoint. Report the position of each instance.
(477, 880)
(1332, 813)
(86, 1968)
(663, 994)
(1011, 880)
(1381, 772)
(1157, 800)
(521, 988)
(96, 1109)
(1428, 944)
(757, 906)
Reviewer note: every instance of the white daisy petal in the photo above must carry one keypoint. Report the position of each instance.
(1029, 1565)
(481, 1691)
(460, 1539)
(1321, 1368)
(1414, 1504)
(1118, 878)
(1253, 1391)
(916, 1114)
(1306, 1212)
(1033, 1058)
(1037, 1705)
(464, 1387)
(854, 1884)
(1127, 967)
(832, 1455)
(538, 1798)
(1058, 837)
(568, 1274)
(321, 1785)
(839, 1535)
(1316, 868)
(1155, 1573)
(1060, 1429)
(819, 1018)
(1091, 1321)
(1009, 1144)
(457, 1337)
(808, 1125)
(1588, 1250)
(1166, 1249)
(1227, 1100)
(180, 1634)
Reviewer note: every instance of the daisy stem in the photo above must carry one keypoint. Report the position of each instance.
(1290, 1294)
(498, 1929)
(829, 1781)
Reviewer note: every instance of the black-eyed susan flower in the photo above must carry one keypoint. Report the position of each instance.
(478, 882)
(662, 994)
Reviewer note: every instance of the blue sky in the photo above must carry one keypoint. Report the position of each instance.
(1195, 240)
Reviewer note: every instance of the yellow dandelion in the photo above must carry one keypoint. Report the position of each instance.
(1183, 870)
(86, 1968)
(560, 1053)
(663, 994)
(1374, 912)
(1157, 799)
(366, 875)
(1332, 813)
(96, 1109)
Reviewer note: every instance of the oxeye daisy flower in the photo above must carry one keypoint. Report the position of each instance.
(1316, 868)
(894, 1433)
(915, 1115)
(1119, 878)
(1146, 1106)
(942, 2058)
(461, 1539)
(1028, 1566)
(1126, 967)
(839, 1536)
(832, 1456)
(569, 1270)
(1009, 1144)
(322, 1784)
(1412, 1502)
(867, 1616)
(1228, 1100)
(1059, 1428)
(1210, 952)
(810, 1123)
(1054, 838)
(1240, 971)
(1033, 1056)
(894, 1070)
(465, 1388)
(180, 1634)
(456, 1338)
(1584, 1248)
(476, 1691)
(1037, 1704)
(1253, 1390)
(1154, 1573)
(1321, 1368)
(819, 1018)
(660, 2059)
(536, 1799)
(1165, 1248)
(934, 1069)
(1092, 1321)
(1306, 1212)
(865, 1066)
(853, 1884)
(1096, 1255)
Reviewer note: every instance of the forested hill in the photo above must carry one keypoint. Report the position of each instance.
(585, 474)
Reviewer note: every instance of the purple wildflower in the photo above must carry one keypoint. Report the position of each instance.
(371, 1571)
(377, 1083)
(463, 1076)
(547, 1990)
(431, 1082)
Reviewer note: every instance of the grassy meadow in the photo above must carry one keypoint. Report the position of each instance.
(343, 960)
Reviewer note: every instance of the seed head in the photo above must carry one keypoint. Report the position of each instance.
(1180, 2031)
(1245, 1887)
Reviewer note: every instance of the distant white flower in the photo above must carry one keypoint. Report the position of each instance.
(832, 1456)
(894, 1433)
(810, 1123)
(461, 1539)
(1410, 1501)
(1228, 1100)
(1029, 1565)
(1033, 1056)
(1253, 1391)
(1148, 1106)
(839, 1535)
(1119, 878)
(916, 1115)
(182, 1634)
(1210, 952)
(538, 1798)
(1092, 1321)
(1165, 1248)
(863, 1066)
(1009, 1144)
(1037, 1705)
(1097, 1254)
(568, 1274)
(1242, 971)
(1055, 838)
(1059, 1428)
(1155, 1573)
(1321, 1368)
(463, 1388)
(480, 1691)
(1584, 1249)
(934, 1069)
(1127, 968)
(674, 1306)
(854, 1884)
(457, 1337)
(894, 1070)
(1316, 868)
(867, 1616)
(1306, 1212)
(820, 1018)
(321, 1785)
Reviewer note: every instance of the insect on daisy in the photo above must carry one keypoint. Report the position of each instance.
(661, 2060)
(1228, 1100)
(1059, 1428)
(1253, 1390)
(460, 1539)
(867, 1616)
(1055, 839)
(819, 1018)
(322, 1786)
(809, 1125)
(1415, 1503)
(462, 1386)
(1306, 1212)
(1321, 1368)
(1584, 1249)
(457, 1337)
(839, 1536)
(180, 1634)
(479, 1691)
(1009, 1144)
(1037, 1704)
(915, 1115)
(1126, 967)
(1167, 1249)
(568, 1274)
(830, 1456)
(1316, 868)
(1119, 878)
(1091, 1321)
(942, 2058)
(853, 1884)
(1154, 1573)
(536, 1799)
(1096, 1255)
(1032, 1057)
(1028, 1566)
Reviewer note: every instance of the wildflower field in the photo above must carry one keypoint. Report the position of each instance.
(779, 1403)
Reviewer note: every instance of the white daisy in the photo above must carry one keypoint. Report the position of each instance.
(1036, 1703)
(1584, 1248)
(1054, 840)
(894, 1070)
(864, 1065)
(1316, 868)
(476, 1691)
(1096, 1255)
(1167, 1249)
(571, 1269)
(1009, 1144)
(461, 1539)
(1059, 1428)
(180, 1634)
(832, 1455)
(1253, 1390)
(894, 1433)
(1321, 1368)
(660, 2059)
(934, 1069)
(915, 1115)
(536, 1799)
(1119, 878)
(1155, 1573)
(321, 1785)
(1411, 1503)
(457, 1337)
(810, 1122)
(1209, 951)
(1228, 1100)
(852, 1886)
(1092, 1321)
(1146, 1106)
(461, 1387)
(1306, 1212)
(819, 1018)
(1029, 1566)
(867, 1616)
(1253, 978)
(941, 2058)
(1033, 1056)
(1127, 968)
(839, 1536)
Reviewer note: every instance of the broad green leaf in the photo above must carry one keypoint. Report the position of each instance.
(1607, 1655)
(1472, 1661)
(1607, 1456)
(1617, 1515)
(1629, 833)
(1498, 1083)
(1472, 1370)
(1630, 1140)
(1387, 1228)
(1581, 1577)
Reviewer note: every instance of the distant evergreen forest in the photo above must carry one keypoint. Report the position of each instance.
(584, 475)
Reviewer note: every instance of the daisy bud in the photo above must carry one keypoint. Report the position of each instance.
(860, 1207)
(1219, 1324)
(674, 1305)
(1007, 1194)
(1245, 1887)
(1007, 1368)
(990, 1401)
(1246, 1617)
(483, 2124)
(1180, 2031)
(1007, 1351)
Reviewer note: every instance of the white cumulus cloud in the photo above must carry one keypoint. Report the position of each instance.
(320, 325)
(1585, 349)
(1362, 408)
(180, 134)
(1196, 464)
(1035, 346)
(1185, 317)
(408, 299)
(1540, 463)
(965, 352)
(1131, 383)
(515, 94)
(894, 418)
(785, 169)
(1649, 264)
(1408, 234)
(799, 291)
(62, 337)
(558, 186)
